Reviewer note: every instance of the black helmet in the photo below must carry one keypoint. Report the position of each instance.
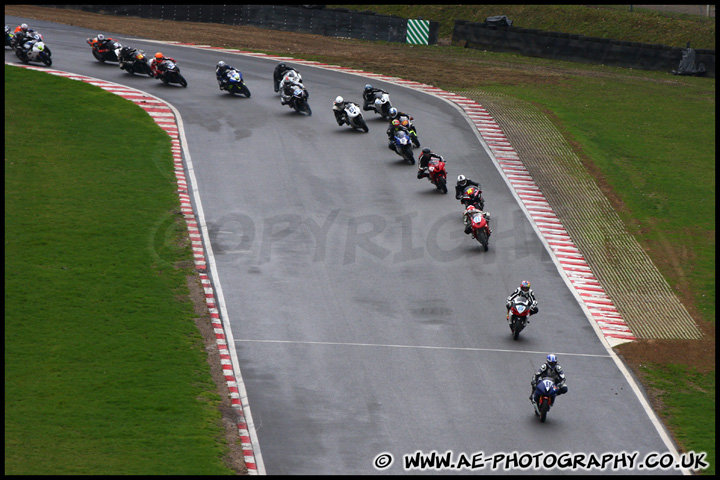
(368, 87)
(425, 150)
(282, 65)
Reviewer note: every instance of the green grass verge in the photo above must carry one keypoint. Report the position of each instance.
(688, 406)
(654, 144)
(105, 371)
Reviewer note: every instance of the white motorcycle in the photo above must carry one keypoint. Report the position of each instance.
(382, 105)
(354, 117)
(34, 51)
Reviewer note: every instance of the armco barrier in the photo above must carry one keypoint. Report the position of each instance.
(575, 48)
(330, 22)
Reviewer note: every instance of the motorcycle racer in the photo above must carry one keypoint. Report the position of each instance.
(471, 210)
(462, 183)
(288, 85)
(221, 71)
(392, 130)
(549, 369)
(370, 95)
(339, 110)
(424, 159)
(156, 63)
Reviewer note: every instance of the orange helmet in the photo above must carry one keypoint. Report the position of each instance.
(159, 56)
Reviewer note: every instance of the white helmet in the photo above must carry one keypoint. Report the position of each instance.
(101, 37)
(339, 99)
(220, 64)
(291, 74)
(461, 178)
(470, 209)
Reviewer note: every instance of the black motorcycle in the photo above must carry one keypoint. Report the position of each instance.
(109, 55)
(170, 73)
(134, 61)
(472, 195)
(299, 101)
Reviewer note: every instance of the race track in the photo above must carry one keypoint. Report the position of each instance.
(364, 320)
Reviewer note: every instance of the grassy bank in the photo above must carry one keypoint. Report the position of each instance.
(615, 22)
(105, 371)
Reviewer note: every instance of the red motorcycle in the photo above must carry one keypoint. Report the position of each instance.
(472, 195)
(438, 174)
(519, 313)
(480, 230)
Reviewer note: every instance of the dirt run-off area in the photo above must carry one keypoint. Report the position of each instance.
(446, 68)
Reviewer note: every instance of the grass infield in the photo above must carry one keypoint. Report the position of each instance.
(105, 371)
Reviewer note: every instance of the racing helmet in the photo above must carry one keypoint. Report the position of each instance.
(525, 286)
(291, 74)
(159, 56)
(282, 66)
(24, 27)
(220, 64)
(396, 123)
(368, 87)
(425, 150)
(393, 111)
(462, 180)
(552, 361)
(339, 99)
(470, 209)
(100, 37)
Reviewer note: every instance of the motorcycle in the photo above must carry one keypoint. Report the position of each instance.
(403, 146)
(382, 105)
(170, 73)
(299, 101)
(545, 392)
(109, 55)
(438, 175)
(405, 122)
(133, 61)
(298, 79)
(354, 117)
(517, 317)
(472, 195)
(235, 84)
(9, 37)
(36, 51)
(479, 229)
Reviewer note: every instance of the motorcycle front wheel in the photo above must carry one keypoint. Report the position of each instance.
(483, 239)
(544, 409)
(442, 185)
(517, 324)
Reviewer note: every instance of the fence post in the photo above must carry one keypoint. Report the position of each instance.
(418, 31)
